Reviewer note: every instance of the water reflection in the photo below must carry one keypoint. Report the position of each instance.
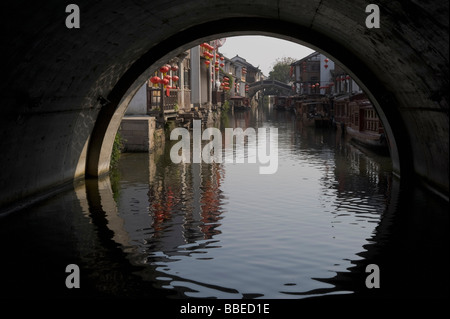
(158, 229)
(250, 235)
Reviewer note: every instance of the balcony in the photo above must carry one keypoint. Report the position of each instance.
(157, 101)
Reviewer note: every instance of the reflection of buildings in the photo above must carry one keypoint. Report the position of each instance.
(352, 164)
(174, 204)
(354, 169)
(185, 205)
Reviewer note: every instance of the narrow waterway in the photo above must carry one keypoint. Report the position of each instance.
(222, 230)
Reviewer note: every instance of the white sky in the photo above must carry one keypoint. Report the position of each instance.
(262, 51)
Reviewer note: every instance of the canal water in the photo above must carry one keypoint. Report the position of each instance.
(222, 230)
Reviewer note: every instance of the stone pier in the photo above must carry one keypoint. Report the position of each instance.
(140, 134)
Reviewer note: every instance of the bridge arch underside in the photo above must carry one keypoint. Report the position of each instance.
(64, 91)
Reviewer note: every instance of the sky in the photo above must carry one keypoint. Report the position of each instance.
(262, 51)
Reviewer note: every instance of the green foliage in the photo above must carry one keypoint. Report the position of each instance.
(226, 106)
(116, 151)
(280, 70)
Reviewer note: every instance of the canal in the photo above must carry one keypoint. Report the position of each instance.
(222, 230)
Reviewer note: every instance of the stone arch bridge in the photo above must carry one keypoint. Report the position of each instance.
(64, 91)
(269, 84)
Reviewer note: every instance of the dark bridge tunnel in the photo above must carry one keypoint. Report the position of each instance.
(64, 91)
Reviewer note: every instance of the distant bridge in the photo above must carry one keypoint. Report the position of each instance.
(273, 84)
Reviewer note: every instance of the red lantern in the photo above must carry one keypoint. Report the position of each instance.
(217, 69)
(164, 70)
(207, 62)
(326, 66)
(175, 68)
(175, 78)
(155, 80)
(326, 60)
(222, 58)
(222, 65)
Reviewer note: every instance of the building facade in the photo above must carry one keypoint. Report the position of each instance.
(318, 74)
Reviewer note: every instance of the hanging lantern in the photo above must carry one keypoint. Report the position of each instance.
(207, 46)
(222, 65)
(326, 60)
(175, 78)
(222, 58)
(164, 82)
(217, 69)
(155, 80)
(175, 68)
(326, 66)
(207, 62)
(164, 70)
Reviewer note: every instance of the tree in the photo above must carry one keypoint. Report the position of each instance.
(281, 70)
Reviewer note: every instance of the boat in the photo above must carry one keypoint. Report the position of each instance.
(363, 125)
(240, 103)
(280, 103)
(313, 111)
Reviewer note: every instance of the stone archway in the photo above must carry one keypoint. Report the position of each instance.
(64, 89)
